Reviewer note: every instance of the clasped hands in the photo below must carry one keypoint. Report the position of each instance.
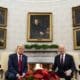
(20, 76)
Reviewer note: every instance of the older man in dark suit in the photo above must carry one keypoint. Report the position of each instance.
(64, 64)
(17, 64)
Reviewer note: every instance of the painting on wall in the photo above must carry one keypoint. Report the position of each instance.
(76, 36)
(2, 38)
(39, 26)
(76, 16)
(3, 17)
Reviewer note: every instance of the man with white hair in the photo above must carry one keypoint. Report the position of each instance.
(64, 64)
(17, 64)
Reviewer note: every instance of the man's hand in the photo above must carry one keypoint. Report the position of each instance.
(18, 76)
(23, 75)
(68, 72)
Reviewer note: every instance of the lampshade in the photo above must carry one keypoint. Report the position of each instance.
(38, 66)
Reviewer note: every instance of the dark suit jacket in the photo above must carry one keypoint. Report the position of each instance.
(68, 64)
(13, 64)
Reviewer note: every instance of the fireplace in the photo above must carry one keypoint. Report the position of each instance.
(45, 57)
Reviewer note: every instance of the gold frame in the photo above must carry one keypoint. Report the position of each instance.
(3, 22)
(40, 16)
(76, 16)
(3, 38)
(76, 41)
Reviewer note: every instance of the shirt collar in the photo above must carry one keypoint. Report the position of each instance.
(63, 55)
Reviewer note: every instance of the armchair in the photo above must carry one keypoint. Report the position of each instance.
(4, 62)
(76, 58)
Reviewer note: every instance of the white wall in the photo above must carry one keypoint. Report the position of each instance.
(17, 20)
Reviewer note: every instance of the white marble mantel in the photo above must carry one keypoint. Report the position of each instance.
(41, 55)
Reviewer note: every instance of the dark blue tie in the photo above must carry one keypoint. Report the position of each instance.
(61, 60)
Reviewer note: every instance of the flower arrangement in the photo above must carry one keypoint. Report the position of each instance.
(41, 74)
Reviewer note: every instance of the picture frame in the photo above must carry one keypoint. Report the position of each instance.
(76, 16)
(2, 38)
(76, 37)
(3, 17)
(39, 28)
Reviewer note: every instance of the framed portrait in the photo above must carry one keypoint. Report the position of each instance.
(76, 36)
(39, 26)
(3, 17)
(76, 16)
(2, 38)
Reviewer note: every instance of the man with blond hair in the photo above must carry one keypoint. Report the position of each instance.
(17, 64)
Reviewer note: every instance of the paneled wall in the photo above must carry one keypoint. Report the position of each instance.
(17, 20)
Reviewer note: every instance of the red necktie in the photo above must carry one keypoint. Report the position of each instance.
(20, 65)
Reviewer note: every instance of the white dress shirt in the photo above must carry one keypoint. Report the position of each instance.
(19, 56)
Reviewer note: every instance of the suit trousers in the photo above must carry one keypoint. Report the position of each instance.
(10, 76)
(67, 78)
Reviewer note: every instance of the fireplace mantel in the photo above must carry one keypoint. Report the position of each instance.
(41, 55)
(41, 50)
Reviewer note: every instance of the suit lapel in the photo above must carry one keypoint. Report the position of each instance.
(22, 61)
(65, 59)
(59, 59)
(16, 59)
